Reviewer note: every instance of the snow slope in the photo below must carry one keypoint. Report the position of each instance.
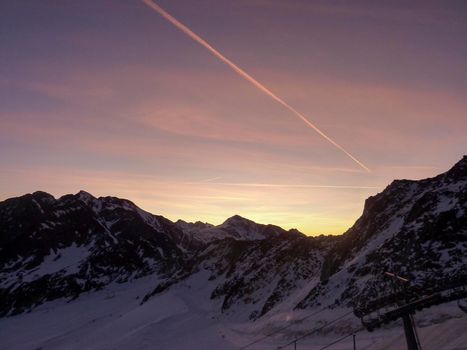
(177, 320)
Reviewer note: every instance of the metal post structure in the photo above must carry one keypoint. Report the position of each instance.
(416, 332)
(410, 333)
(404, 302)
(295, 345)
(411, 336)
(354, 341)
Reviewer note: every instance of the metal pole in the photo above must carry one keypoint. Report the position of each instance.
(415, 331)
(354, 342)
(295, 345)
(410, 335)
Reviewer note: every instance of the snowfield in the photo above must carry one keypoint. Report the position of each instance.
(185, 318)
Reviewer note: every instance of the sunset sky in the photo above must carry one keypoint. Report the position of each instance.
(109, 97)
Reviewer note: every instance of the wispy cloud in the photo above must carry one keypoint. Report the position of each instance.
(62, 89)
(419, 11)
(269, 185)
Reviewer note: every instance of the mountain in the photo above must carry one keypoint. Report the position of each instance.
(77, 246)
(54, 248)
(235, 227)
(416, 229)
(250, 277)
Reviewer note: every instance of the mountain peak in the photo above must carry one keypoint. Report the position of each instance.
(85, 195)
(236, 219)
(459, 170)
(42, 196)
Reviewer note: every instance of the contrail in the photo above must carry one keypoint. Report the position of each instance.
(211, 179)
(246, 76)
(269, 185)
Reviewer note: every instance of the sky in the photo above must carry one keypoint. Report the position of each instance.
(109, 97)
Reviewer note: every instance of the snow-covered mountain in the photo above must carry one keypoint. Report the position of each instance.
(78, 246)
(250, 277)
(235, 227)
(53, 248)
(416, 229)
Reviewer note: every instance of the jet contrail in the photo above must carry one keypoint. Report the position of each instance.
(269, 185)
(246, 76)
